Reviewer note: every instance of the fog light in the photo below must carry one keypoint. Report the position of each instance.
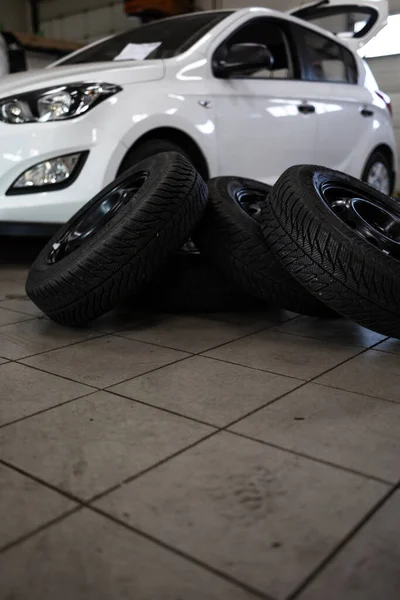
(52, 173)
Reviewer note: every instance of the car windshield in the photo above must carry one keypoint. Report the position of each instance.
(160, 39)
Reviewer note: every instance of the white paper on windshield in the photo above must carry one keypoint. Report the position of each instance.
(137, 51)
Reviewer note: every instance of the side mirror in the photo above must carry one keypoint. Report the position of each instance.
(244, 58)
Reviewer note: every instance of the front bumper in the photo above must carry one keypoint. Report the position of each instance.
(23, 146)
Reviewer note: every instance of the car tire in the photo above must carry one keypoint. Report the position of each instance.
(151, 147)
(189, 283)
(150, 212)
(337, 236)
(378, 173)
(230, 236)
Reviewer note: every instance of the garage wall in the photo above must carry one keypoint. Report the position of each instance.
(88, 20)
(83, 21)
(15, 15)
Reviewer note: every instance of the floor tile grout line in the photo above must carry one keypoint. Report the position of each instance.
(23, 538)
(107, 390)
(193, 353)
(221, 320)
(240, 584)
(20, 362)
(341, 343)
(70, 345)
(386, 351)
(268, 327)
(87, 502)
(47, 409)
(99, 389)
(124, 337)
(343, 543)
(81, 505)
(159, 463)
(174, 362)
(102, 334)
(65, 515)
(229, 362)
(19, 312)
(265, 405)
(339, 364)
(302, 384)
(17, 322)
(242, 337)
(220, 429)
(204, 316)
(363, 351)
(333, 387)
(162, 409)
(217, 429)
(43, 482)
(314, 458)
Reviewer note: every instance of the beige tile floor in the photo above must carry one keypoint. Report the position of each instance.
(227, 456)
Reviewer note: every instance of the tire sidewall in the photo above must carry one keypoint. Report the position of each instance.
(156, 166)
(124, 256)
(222, 198)
(353, 252)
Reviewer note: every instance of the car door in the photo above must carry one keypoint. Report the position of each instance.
(263, 122)
(353, 22)
(344, 110)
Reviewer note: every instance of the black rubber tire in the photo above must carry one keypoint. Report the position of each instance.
(189, 283)
(120, 259)
(326, 256)
(375, 157)
(233, 241)
(149, 148)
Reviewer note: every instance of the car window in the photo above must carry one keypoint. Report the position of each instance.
(272, 35)
(326, 60)
(160, 39)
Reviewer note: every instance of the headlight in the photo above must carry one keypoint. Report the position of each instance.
(55, 104)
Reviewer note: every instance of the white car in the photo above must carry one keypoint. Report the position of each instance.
(247, 92)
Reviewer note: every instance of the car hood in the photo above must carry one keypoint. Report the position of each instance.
(125, 72)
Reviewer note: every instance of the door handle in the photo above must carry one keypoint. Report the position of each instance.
(306, 109)
(367, 112)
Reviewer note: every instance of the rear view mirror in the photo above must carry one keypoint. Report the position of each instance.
(244, 58)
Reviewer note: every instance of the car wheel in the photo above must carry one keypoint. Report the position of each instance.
(114, 246)
(189, 283)
(340, 239)
(230, 236)
(378, 173)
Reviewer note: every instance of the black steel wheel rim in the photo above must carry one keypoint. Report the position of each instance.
(250, 200)
(96, 217)
(374, 220)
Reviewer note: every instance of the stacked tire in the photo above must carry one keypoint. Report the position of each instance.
(318, 243)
